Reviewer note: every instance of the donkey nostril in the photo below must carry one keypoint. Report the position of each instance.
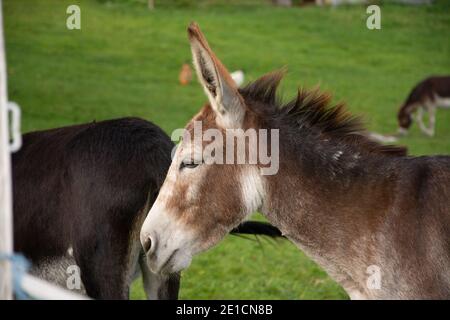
(147, 245)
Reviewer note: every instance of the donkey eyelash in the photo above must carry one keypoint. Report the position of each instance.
(189, 165)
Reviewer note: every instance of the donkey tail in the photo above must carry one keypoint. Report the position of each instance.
(257, 228)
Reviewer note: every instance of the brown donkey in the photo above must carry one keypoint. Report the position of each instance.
(376, 220)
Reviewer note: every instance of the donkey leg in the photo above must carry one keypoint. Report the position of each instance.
(431, 120)
(419, 118)
(156, 286)
(431, 109)
(102, 280)
(103, 265)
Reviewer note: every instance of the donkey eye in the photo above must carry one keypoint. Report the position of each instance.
(189, 165)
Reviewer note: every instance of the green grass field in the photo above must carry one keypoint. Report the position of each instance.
(125, 62)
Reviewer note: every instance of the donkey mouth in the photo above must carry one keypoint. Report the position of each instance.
(167, 266)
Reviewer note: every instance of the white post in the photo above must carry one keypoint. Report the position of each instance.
(6, 234)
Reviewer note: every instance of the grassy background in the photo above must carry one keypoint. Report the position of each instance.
(125, 61)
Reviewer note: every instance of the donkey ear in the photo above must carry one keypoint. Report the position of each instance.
(216, 81)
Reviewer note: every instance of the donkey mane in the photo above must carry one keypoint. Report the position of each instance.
(312, 113)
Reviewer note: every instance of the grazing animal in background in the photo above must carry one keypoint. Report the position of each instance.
(185, 75)
(427, 96)
(81, 194)
(376, 220)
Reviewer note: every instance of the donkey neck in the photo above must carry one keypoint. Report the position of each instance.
(328, 198)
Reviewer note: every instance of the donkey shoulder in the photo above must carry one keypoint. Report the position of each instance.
(425, 181)
(85, 174)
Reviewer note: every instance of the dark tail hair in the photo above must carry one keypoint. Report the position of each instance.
(257, 228)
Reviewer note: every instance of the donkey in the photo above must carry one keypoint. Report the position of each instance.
(81, 194)
(428, 95)
(375, 219)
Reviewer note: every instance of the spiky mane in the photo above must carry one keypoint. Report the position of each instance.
(312, 112)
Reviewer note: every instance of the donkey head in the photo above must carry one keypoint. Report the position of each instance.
(202, 200)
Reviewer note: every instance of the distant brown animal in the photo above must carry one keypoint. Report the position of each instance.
(185, 75)
(428, 95)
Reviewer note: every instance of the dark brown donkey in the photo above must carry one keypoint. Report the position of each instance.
(81, 194)
(376, 220)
